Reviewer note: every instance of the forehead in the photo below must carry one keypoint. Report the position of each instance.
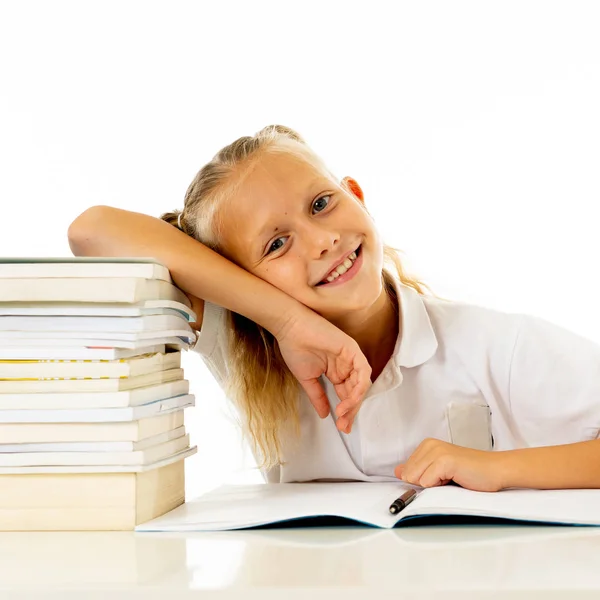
(274, 187)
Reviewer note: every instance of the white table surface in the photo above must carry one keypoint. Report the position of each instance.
(449, 561)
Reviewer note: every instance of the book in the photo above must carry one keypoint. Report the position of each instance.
(93, 324)
(97, 415)
(134, 397)
(15, 344)
(71, 469)
(148, 442)
(98, 309)
(67, 352)
(120, 431)
(82, 266)
(73, 369)
(244, 506)
(89, 385)
(89, 289)
(97, 338)
(69, 458)
(89, 501)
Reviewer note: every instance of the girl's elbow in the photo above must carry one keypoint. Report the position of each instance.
(80, 230)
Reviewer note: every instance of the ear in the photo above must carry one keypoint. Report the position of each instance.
(352, 186)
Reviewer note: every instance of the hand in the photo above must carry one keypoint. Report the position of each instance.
(436, 463)
(312, 346)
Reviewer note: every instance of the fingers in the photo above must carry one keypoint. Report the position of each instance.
(345, 423)
(316, 394)
(431, 477)
(348, 393)
(426, 466)
(351, 396)
(352, 392)
(434, 475)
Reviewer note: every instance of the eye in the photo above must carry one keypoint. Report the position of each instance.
(318, 200)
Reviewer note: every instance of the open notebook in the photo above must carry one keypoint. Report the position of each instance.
(243, 506)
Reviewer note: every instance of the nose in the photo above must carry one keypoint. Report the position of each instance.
(320, 240)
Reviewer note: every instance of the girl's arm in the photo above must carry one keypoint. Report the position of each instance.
(310, 345)
(196, 269)
(565, 466)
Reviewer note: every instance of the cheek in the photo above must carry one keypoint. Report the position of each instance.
(287, 275)
(282, 274)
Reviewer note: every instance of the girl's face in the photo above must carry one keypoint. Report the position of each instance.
(290, 224)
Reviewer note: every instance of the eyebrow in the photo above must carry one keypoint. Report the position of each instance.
(268, 229)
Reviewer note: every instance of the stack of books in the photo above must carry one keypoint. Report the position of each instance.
(92, 394)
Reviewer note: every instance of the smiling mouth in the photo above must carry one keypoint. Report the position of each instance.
(325, 282)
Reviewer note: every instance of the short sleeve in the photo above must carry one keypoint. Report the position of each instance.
(554, 384)
(213, 322)
(211, 341)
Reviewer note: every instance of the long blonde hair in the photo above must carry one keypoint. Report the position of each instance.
(260, 382)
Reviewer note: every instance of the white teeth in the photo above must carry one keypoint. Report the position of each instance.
(341, 269)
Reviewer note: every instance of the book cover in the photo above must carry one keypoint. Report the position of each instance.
(75, 324)
(16, 344)
(91, 338)
(115, 431)
(44, 447)
(97, 415)
(97, 309)
(67, 352)
(93, 501)
(92, 469)
(82, 266)
(87, 369)
(90, 289)
(70, 400)
(89, 385)
(72, 458)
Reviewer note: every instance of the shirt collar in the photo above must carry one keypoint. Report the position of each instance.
(417, 341)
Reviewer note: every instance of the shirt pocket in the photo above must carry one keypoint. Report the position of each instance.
(470, 425)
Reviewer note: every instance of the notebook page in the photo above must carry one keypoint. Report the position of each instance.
(558, 506)
(239, 506)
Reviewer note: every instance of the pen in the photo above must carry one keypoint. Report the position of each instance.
(399, 503)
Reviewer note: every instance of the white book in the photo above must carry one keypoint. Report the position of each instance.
(184, 331)
(82, 266)
(98, 309)
(73, 325)
(122, 431)
(98, 415)
(74, 353)
(136, 468)
(149, 442)
(90, 289)
(242, 506)
(87, 369)
(69, 400)
(7, 345)
(89, 385)
(137, 457)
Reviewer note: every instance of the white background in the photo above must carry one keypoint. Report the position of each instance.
(473, 128)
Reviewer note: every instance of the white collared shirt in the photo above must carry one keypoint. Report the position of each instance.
(461, 373)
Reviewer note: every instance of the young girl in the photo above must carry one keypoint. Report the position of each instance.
(342, 369)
